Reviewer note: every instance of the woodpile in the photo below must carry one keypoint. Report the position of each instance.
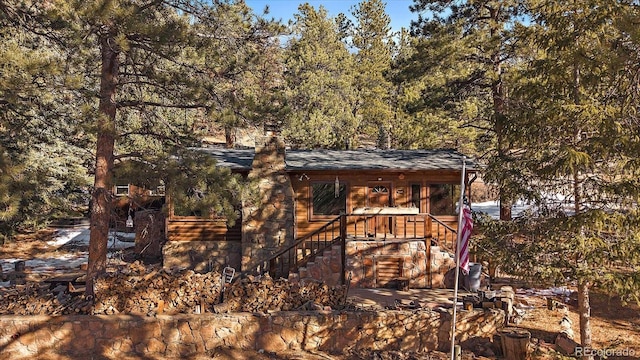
(40, 299)
(137, 289)
(141, 290)
(263, 294)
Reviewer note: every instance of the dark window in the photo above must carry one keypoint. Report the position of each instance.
(415, 196)
(121, 190)
(443, 198)
(326, 201)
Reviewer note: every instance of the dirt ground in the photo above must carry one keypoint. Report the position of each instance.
(614, 325)
(27, 246)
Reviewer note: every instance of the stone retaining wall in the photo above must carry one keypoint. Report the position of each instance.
(122, 336)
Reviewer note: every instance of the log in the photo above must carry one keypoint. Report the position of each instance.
(515, 343)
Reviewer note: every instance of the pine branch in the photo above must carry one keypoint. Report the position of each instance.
(473, 126)
(140, 103)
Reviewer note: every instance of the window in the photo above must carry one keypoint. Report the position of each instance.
(443, 198)
(159, 191)
(326, 201)
(121, 190)
(416, 198)
(380, 189)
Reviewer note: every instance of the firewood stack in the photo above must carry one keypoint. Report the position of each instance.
(140, 291)
(149, 290)
(40, 299)
(263, 294)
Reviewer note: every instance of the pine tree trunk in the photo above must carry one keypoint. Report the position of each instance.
(229, 137)
(499, 118)
(497, 95)
(584, 308)
(101, 196)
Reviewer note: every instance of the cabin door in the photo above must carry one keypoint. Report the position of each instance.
(379, 195)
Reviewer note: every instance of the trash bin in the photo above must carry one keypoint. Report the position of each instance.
(472, 280)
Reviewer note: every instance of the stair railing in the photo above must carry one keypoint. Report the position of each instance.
(449, 234)
(296, 255)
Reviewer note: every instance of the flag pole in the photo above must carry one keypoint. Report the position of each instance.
(459, 234)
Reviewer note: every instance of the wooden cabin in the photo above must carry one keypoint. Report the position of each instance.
(380, 213)
(129, 199)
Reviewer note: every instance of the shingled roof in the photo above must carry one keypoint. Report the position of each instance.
(361, 159)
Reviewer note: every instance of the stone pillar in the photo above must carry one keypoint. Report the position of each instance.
(267, 213)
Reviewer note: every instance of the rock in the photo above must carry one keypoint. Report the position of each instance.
(565, 345)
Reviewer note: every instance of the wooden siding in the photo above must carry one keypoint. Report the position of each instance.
(358, 183)
(202, 230)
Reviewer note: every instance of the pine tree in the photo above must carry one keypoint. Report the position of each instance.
(43, 148)
(577, 149)
(417, 122)
(319, 80)
(373, 45)
(249, 92)
(465, 50)
(158, 66)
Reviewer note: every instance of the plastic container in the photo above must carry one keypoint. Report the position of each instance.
(472, 280)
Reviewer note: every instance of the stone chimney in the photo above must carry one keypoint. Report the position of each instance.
(267, 213)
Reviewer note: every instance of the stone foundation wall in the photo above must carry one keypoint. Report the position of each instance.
(364, 257)
(441, 264)
(326, 267)
(202, 256)
(122, 336)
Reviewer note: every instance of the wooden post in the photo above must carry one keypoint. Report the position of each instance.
(343, 245)
(426, 221)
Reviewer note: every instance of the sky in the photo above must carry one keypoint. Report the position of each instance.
(398, 10)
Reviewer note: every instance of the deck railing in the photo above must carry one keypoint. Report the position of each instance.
(449, 235)
(401, 226)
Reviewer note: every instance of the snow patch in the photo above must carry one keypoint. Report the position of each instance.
(80, 236)
(492, 208)
(65, 261)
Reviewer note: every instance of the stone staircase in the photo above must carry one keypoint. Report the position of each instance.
(325, 267)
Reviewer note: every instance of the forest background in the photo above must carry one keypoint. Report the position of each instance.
(543, 93)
